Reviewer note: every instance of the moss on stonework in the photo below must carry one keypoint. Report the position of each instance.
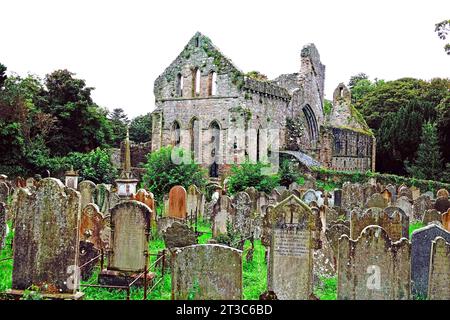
(358, 118)
(245, 113)
(237, 78)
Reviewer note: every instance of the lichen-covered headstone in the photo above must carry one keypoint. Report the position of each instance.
(222, 217)
(421, 240)
(368, 190)
(309, 195)
(431, 215)
(207, 272)
(439, 279)
(46, 238)
(193, 201)
(415, 192)
(420, 205)
(333, 233)
(404, 191)
(376, 200)
(91, 226)
(373, 267)
(242, 220)
(405, 204)
(393, 220)
(177, 202)
(87, 191)
(290, 273)
(165, 222)
(253, 194)
(179, 235)
(146, 198)
(442, 204)
(393, 192)
(388, 196)
(352, 196)
(274, 197)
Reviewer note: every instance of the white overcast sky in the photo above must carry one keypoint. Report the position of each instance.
(120, 47)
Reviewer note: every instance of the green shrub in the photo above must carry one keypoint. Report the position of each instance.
(248, 175)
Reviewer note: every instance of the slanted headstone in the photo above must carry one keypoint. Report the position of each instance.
(165, 222)
(130, 230)
(4, 192)
(376, 200)
(442, 204)
(177, 202)
(179, 235)
(442, 193)
(420, 205)
(439, 280)
(46, 239)
(421, 240)
(242, 222)
(3, 224)
(291, 249)
(373, 267)
(207, 272)
(87, 191)
(430, 216)
(91, 226)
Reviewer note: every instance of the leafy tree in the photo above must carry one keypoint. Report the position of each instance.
(119, 121)
(141, 128)
(161, 173)
(257, 75)
(428, 163)
(248, 175)
(95, 165)
(356, 78)
(81, 125)
(443, 28)
(2, 75)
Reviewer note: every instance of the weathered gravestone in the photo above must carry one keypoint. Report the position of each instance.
(352, 196)
(439, 280)
(194, 198)
(392, 192)
(442, 204)
(333, 233)
(242, 220)
(91, 226)
(431, 215)
(405, 204)
(30, 183)
(446, 220)
(146, 198)
(388, 196)
(376, 200)
(373, 267)
(46, 239)
(179, 235)
(309, 196)
(222, 217)
(337, 197)
(415, 192)
(87, 191)
(253, 194)
(369, 190)
(3, 224)
(420, 205)
(404, 191)
(105, 199)
(130, 230)
(442, 193)
(430, 194)
(421, 240)
(165, 222)
(290, 273)
(207, 272)
(393, 220)
(274, 197)
(177, 202)
(4, 192)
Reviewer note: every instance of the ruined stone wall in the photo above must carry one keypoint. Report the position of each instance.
(346, 150)
(138, 152)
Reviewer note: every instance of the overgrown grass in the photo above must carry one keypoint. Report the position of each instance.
(6, 266)
(414, 226)
(254, 272)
